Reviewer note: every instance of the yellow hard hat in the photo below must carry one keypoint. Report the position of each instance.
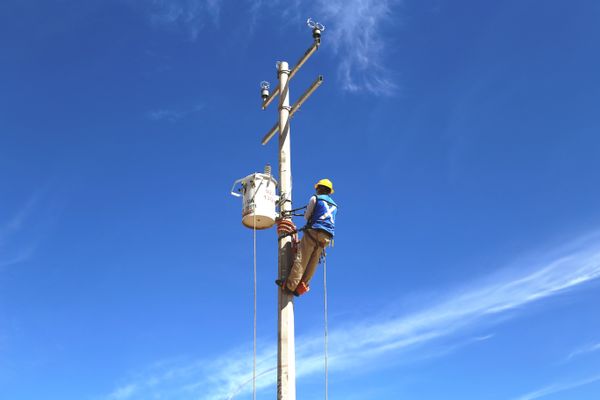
(325, 182)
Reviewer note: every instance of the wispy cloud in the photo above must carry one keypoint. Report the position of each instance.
(287, 10)
(483, 338)
(354, 29)
(173, 115)
(10, 231)
(124, 392)
(361, 342)
(21, 255)
(189, 15)
(15, 223)
(165, 115)
(590, 348)
(559, 387)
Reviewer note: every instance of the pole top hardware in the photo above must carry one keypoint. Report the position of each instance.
(317, 29)
(264, 90)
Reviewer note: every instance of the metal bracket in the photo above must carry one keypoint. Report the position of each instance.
(293, 71)
(294, 108)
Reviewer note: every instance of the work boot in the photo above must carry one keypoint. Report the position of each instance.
(301, 289)
(282, 283)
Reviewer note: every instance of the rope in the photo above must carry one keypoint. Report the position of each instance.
(286, 227)
(254, 343)
(326, 323)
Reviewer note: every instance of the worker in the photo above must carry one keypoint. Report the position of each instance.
(319, 231)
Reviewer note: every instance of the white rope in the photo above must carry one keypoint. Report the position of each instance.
(326, 323)
(254, 344)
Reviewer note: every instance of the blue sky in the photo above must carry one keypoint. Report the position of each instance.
(462, 140)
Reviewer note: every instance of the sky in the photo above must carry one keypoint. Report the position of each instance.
(462, 141)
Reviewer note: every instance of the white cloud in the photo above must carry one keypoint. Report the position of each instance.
(590, 348)
(12, 229)
(364, 342)
(556, 388)
(190, 15)
(173, 115)
(20, 256)
(354, 30)
(166, 115)
(124, 392)
(15, 223)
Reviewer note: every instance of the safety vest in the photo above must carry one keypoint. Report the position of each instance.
(323, 215)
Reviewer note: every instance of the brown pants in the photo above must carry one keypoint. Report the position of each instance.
(309, 251)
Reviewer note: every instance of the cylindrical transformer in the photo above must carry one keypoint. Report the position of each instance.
(259, 200)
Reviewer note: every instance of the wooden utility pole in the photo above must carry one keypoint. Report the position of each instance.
(286, 357)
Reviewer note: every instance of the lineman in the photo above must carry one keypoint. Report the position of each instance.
(318, 233)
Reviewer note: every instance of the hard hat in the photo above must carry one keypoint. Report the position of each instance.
(325, 182)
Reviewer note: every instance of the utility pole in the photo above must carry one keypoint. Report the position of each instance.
(286, 357)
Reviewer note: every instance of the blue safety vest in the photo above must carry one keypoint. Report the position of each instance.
(323, 215)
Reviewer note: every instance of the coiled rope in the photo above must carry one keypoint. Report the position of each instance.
(286, 227)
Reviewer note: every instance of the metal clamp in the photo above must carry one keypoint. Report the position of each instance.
(233, 187)
(317, 29)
